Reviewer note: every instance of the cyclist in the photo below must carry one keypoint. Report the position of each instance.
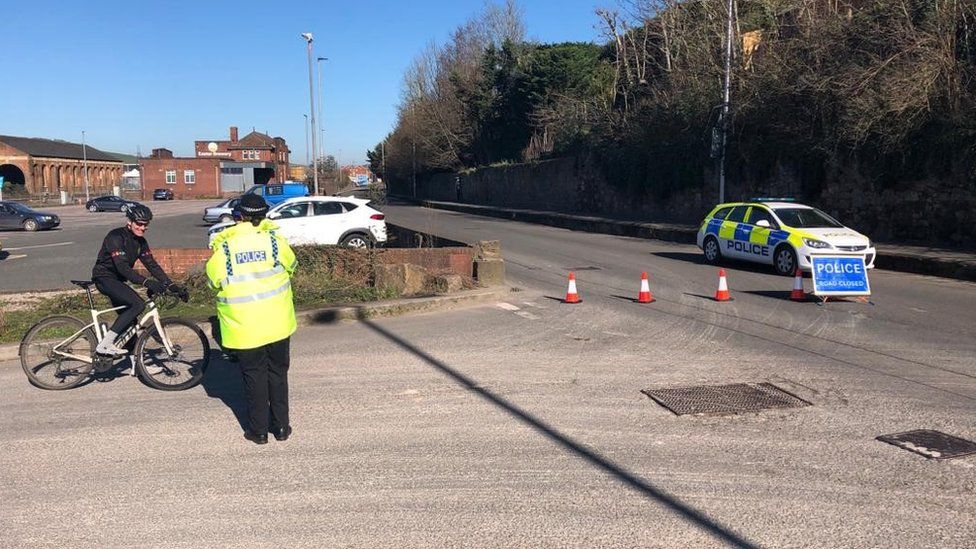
(121, 249)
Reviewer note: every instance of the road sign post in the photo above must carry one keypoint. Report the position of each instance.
(839, 275)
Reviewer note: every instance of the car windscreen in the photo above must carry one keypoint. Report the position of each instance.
(806, 218)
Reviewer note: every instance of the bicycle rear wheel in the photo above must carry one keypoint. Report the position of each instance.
(183, 368)
(52, 353)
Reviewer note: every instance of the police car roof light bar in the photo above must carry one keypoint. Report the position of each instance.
(769, 199)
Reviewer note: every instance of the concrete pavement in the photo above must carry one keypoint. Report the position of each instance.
(484, 427)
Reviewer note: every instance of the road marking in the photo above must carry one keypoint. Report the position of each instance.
(508, 306)
(41, 246)
(15, 256)
(528, 315)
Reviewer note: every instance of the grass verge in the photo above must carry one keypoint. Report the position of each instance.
(326, 276)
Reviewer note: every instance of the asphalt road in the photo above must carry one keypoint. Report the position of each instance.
(47, 260)
(522, 424)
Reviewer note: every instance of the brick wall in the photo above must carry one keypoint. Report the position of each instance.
(437, 261)
(207, 171)
(177, 262)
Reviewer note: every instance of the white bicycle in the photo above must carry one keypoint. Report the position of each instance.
(170, 354)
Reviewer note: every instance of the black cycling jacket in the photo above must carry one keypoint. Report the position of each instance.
(119, 253)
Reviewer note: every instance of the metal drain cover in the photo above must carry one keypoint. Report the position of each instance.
(931, 444)
(724, 399)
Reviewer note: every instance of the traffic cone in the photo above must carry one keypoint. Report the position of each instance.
(645, 290)
(798, 294)
(722, 294)
(571, 295)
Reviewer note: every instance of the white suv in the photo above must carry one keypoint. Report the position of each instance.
(325, 220)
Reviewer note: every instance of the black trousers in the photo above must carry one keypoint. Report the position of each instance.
(265, 371)
(120, 294)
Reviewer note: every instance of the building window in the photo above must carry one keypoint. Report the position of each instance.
(171, 177)
(189, 177)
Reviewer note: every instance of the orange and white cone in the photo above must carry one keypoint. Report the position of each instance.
(722, 294)
(644, 296)
(571, 295)
(798, 294)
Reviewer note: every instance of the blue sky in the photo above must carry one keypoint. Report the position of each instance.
(163, 74)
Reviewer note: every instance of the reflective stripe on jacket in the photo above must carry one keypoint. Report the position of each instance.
(251, 269)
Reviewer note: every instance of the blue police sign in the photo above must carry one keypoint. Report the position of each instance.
(839, 275)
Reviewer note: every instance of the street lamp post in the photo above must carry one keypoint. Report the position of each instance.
(84, 156)
(311, 99)
(318, 65)
(306, 139)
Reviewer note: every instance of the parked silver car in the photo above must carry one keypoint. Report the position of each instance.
(221, 212)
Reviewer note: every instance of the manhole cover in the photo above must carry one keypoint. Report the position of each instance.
(931, 444)
(724, 399)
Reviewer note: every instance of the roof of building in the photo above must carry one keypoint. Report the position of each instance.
(255, 140)
(55, 148)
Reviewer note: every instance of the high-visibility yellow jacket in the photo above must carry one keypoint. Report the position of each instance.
(251, 270)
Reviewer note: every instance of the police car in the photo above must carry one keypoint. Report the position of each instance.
(777, 232)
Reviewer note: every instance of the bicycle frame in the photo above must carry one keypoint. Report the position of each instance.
(150, 316)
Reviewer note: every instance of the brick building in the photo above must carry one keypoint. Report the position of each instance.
(35, 166)
(219, 168)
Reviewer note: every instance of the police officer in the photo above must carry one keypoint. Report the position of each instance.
(251, 269)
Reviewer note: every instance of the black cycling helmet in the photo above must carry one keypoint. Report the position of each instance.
(139, 214)
(252, 206)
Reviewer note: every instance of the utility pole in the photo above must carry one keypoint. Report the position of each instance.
(724, 120)
(311, 99)
(383, 155)
(414, 163)
(84, 156)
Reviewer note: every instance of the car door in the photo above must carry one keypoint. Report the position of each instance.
(293, 220)
(114, 203)
(8, 218)
(760, 248)
(329, 222)
(730, 233)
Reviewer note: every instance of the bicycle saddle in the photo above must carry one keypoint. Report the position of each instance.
(83, 283)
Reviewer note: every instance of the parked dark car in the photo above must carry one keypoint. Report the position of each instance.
(109, 204)
(162, 194)
(14, 215)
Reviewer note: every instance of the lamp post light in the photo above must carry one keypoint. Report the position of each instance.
(84, 156)
(311, 99)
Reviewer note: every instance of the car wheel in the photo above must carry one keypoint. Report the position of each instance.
(30, 225)
(712, 251)
(225, 219)
(784, 261)
(93, 208)
(356, 240)
(124, 209)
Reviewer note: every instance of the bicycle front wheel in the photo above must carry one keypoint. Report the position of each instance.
(180, 369)
(56, 353)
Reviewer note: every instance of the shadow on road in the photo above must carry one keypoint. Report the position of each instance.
(687, 512)
(223, 380)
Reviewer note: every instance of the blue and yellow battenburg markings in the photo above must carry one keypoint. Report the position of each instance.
(744, 237)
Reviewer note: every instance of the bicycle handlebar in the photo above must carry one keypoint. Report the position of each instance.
(173, 290)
